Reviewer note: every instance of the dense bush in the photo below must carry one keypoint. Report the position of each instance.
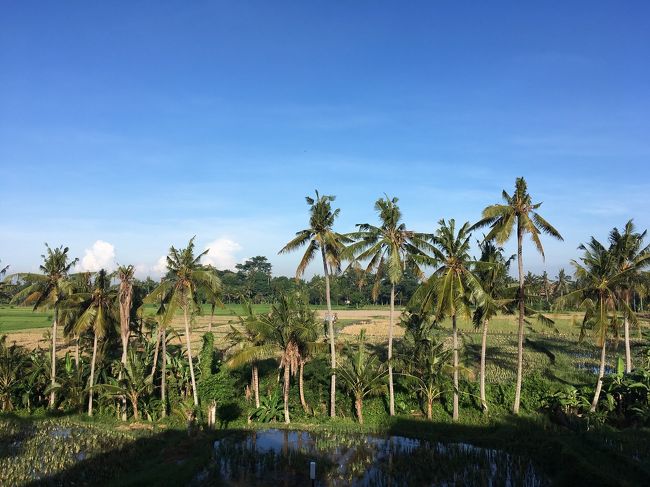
(624, 401)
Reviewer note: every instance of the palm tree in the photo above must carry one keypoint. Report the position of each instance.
(178, 289)
(600, 274)
(125, 297)
(517, 211)
(213, 293)
(248, 334)
(320, 236)
(362, 375)
(389, 248)
(630, 253)
(97, 312)
(425, 361)
(134, 381)
(452, 286)
(494, 280)
(284, 331)
(562, 283)
(49, 289)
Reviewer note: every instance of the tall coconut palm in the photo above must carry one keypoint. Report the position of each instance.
(388, 249)
(494, 280)
(48, 290)
(453, 286)
(630, 253)
(178, 289)
(600, 274)
(320, 237)
(97, 312)
(125, 274)
(518, 212)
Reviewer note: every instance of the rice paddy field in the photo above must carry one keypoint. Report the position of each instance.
(554, 350)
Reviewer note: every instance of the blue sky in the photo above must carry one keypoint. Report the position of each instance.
(140, 124)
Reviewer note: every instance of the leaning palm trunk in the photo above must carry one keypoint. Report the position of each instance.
(53, 368)
(155, 353)
(455, 345)
(330, 332)
(256, 385)
(189, 356)
(601, 374)
(301, 389)
(484, 405)
(163, 381)
(391, 391)
(520, 338)
(92, 377)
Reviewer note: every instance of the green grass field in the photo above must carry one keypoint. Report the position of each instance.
(16, 318)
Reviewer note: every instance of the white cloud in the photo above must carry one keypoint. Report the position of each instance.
(100, 256)
(221, 254)
(161, 266)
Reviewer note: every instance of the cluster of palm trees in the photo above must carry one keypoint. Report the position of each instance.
(84, 305)
(606, 276)
(453, 288)
(454, 284)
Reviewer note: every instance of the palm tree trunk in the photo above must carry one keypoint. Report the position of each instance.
(285, 393)
(189, 356)
(211, 318)
(391, 391)
(484, 405)
(256, 385)
(455, 345)
(155, 353)
(520, 338)
(429, 407)
(136, 414)
(76, 351)
(330, 331)
(92, 377)
(358, 405)
(125, 345)
(53, 367)
(601, 374)
(626, 328)
(163, 381)
(301, 368)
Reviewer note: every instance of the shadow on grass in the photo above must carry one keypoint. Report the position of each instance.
(613, 458)
(566, 457)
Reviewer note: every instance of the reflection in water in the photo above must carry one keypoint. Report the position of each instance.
(281, 457)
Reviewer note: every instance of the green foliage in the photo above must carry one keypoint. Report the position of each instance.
(271, 408)
(12, 361)
(206, 356)
(220, 387)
